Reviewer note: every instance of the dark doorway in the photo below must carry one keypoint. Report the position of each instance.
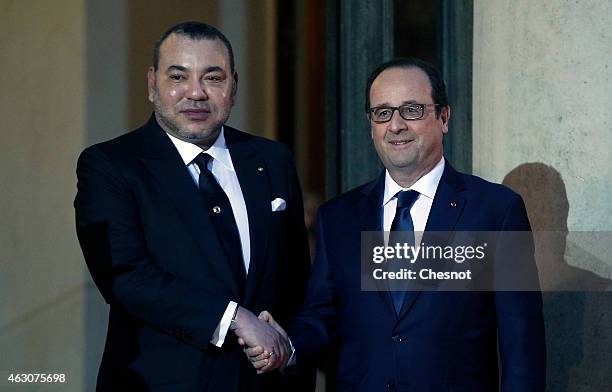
(415, 30)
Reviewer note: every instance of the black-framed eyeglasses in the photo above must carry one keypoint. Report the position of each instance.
(410, 111)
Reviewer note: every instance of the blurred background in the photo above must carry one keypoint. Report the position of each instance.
(530, 87)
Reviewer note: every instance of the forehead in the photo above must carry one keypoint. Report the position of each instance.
(181, 50)
(398, 85)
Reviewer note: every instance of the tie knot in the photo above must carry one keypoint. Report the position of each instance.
(202, 160)
(405, 199)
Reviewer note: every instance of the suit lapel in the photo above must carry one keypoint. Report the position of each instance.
(447, 204)
(166, 166)
(251, 171)
(370, 216)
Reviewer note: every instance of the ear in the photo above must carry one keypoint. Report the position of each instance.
(445, 117)
(234, 87)
(151, 83)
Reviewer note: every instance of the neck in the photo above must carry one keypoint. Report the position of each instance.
(205, 145)
(406, 177)
(204, 142)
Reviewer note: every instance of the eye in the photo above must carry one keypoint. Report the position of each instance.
(382, 112)
(176, 77)
(214, 78)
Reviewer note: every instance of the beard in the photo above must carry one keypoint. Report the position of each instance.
(202, 136)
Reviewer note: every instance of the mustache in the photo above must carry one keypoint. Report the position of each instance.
(189, 105)
(196, 106)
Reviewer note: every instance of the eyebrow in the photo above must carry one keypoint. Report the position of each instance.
(387, 104)
(211, 68)
(177, 68)
(214, 68)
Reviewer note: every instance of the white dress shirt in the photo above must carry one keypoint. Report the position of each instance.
(419, 212)
(223, 170)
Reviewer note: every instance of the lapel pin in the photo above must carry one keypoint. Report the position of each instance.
(453, 204)
(260, 169)
(217, 209)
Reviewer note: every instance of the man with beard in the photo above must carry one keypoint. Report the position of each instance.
(189, 228)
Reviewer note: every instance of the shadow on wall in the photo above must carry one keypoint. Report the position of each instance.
(577, 311)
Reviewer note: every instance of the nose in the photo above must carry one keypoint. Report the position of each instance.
(397, 123)
(197, 91)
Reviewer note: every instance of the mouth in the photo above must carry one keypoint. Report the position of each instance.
(400, 142)
(196, 114)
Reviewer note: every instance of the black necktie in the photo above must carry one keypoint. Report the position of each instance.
(222, 216)
(402, 231)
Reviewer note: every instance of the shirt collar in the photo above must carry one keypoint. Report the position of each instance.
(426, 185)
(219, 151)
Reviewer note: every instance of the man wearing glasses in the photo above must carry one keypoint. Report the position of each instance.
(417, 340)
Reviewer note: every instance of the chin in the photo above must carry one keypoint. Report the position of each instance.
(403, 161)
(202, 134)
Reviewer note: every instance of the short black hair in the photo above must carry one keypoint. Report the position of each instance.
(438, 88)
(194, 30)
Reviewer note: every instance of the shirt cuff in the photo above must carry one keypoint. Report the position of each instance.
(218, 337)
(292, 358)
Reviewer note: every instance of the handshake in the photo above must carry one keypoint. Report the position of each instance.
(266, 343)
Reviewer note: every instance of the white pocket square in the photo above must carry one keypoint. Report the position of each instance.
(279, 204)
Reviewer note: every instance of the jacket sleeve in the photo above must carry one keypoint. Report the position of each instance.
(519, 313)
(317, 324)
(112, 238)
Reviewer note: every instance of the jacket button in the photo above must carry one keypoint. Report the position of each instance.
(396, 339)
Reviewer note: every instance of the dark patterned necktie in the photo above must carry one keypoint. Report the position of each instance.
(402, 231)
(222, 216)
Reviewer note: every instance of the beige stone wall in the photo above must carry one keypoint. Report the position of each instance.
(42, 108)
(542, 93)
(542, 117)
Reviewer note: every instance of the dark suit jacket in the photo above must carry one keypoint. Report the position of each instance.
(440, 341)
(155, 256)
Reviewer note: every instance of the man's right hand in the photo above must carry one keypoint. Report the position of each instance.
(257, 354)
(257, 332)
